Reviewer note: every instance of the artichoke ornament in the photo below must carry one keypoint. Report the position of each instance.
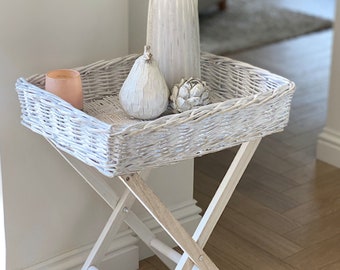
(189, 94)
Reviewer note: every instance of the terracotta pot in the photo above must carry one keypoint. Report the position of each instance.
(66, 83)
(173, 34)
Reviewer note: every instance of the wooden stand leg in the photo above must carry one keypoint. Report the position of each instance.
(98, 182)
(170, 224)
(194, 257)
(221, 199)
(110, 230)
(95, 179)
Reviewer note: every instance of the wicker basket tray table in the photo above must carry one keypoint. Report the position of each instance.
(248, 103)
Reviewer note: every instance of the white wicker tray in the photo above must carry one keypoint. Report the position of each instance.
(247, 103)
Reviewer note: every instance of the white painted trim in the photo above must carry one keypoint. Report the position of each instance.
(328, 147)
(123, 251)
(2, 227)
(126, 250)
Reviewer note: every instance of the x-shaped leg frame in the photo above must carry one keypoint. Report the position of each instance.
(193, 256)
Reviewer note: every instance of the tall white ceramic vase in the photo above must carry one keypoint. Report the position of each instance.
(173, 34)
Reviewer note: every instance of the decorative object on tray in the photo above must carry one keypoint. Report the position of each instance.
(246, 103)
(144, 94)
(65, 83)
(173, 34)
(189, 94)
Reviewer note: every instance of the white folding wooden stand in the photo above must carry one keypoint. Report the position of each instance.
(193, 256)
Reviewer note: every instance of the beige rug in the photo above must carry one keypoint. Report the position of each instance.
(251, 23)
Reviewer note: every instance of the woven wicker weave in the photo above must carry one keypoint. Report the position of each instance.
(247, 103)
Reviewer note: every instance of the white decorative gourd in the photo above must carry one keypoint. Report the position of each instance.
(173, 34)
(144, 94)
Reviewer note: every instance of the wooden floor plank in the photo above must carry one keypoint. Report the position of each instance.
(331, 266)
(316, 231)
(273, 181)
(319, 189)
(265, 216)
(314, 209)
(237, 248)
(275, 163)
(277, 201)
(317, 256)
(261, 214)
(302, 140)
(152, 263)
(302, 157)
(260, 236)
(315, 169)
(224, 260)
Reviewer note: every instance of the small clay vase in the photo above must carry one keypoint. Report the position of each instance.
(66, 84)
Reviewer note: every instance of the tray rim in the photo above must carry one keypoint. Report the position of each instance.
(163, 119)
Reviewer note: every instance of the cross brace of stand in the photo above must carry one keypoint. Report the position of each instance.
(136, 188)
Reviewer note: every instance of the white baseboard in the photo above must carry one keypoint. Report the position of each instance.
(123, 252)
(126, 250)
(328, 147)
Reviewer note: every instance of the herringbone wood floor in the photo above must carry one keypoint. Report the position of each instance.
(285, 213)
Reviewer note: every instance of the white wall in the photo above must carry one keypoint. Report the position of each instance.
(138, 10)
(328, 147)
(48, 208)
(51, 215)
(2, 227)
